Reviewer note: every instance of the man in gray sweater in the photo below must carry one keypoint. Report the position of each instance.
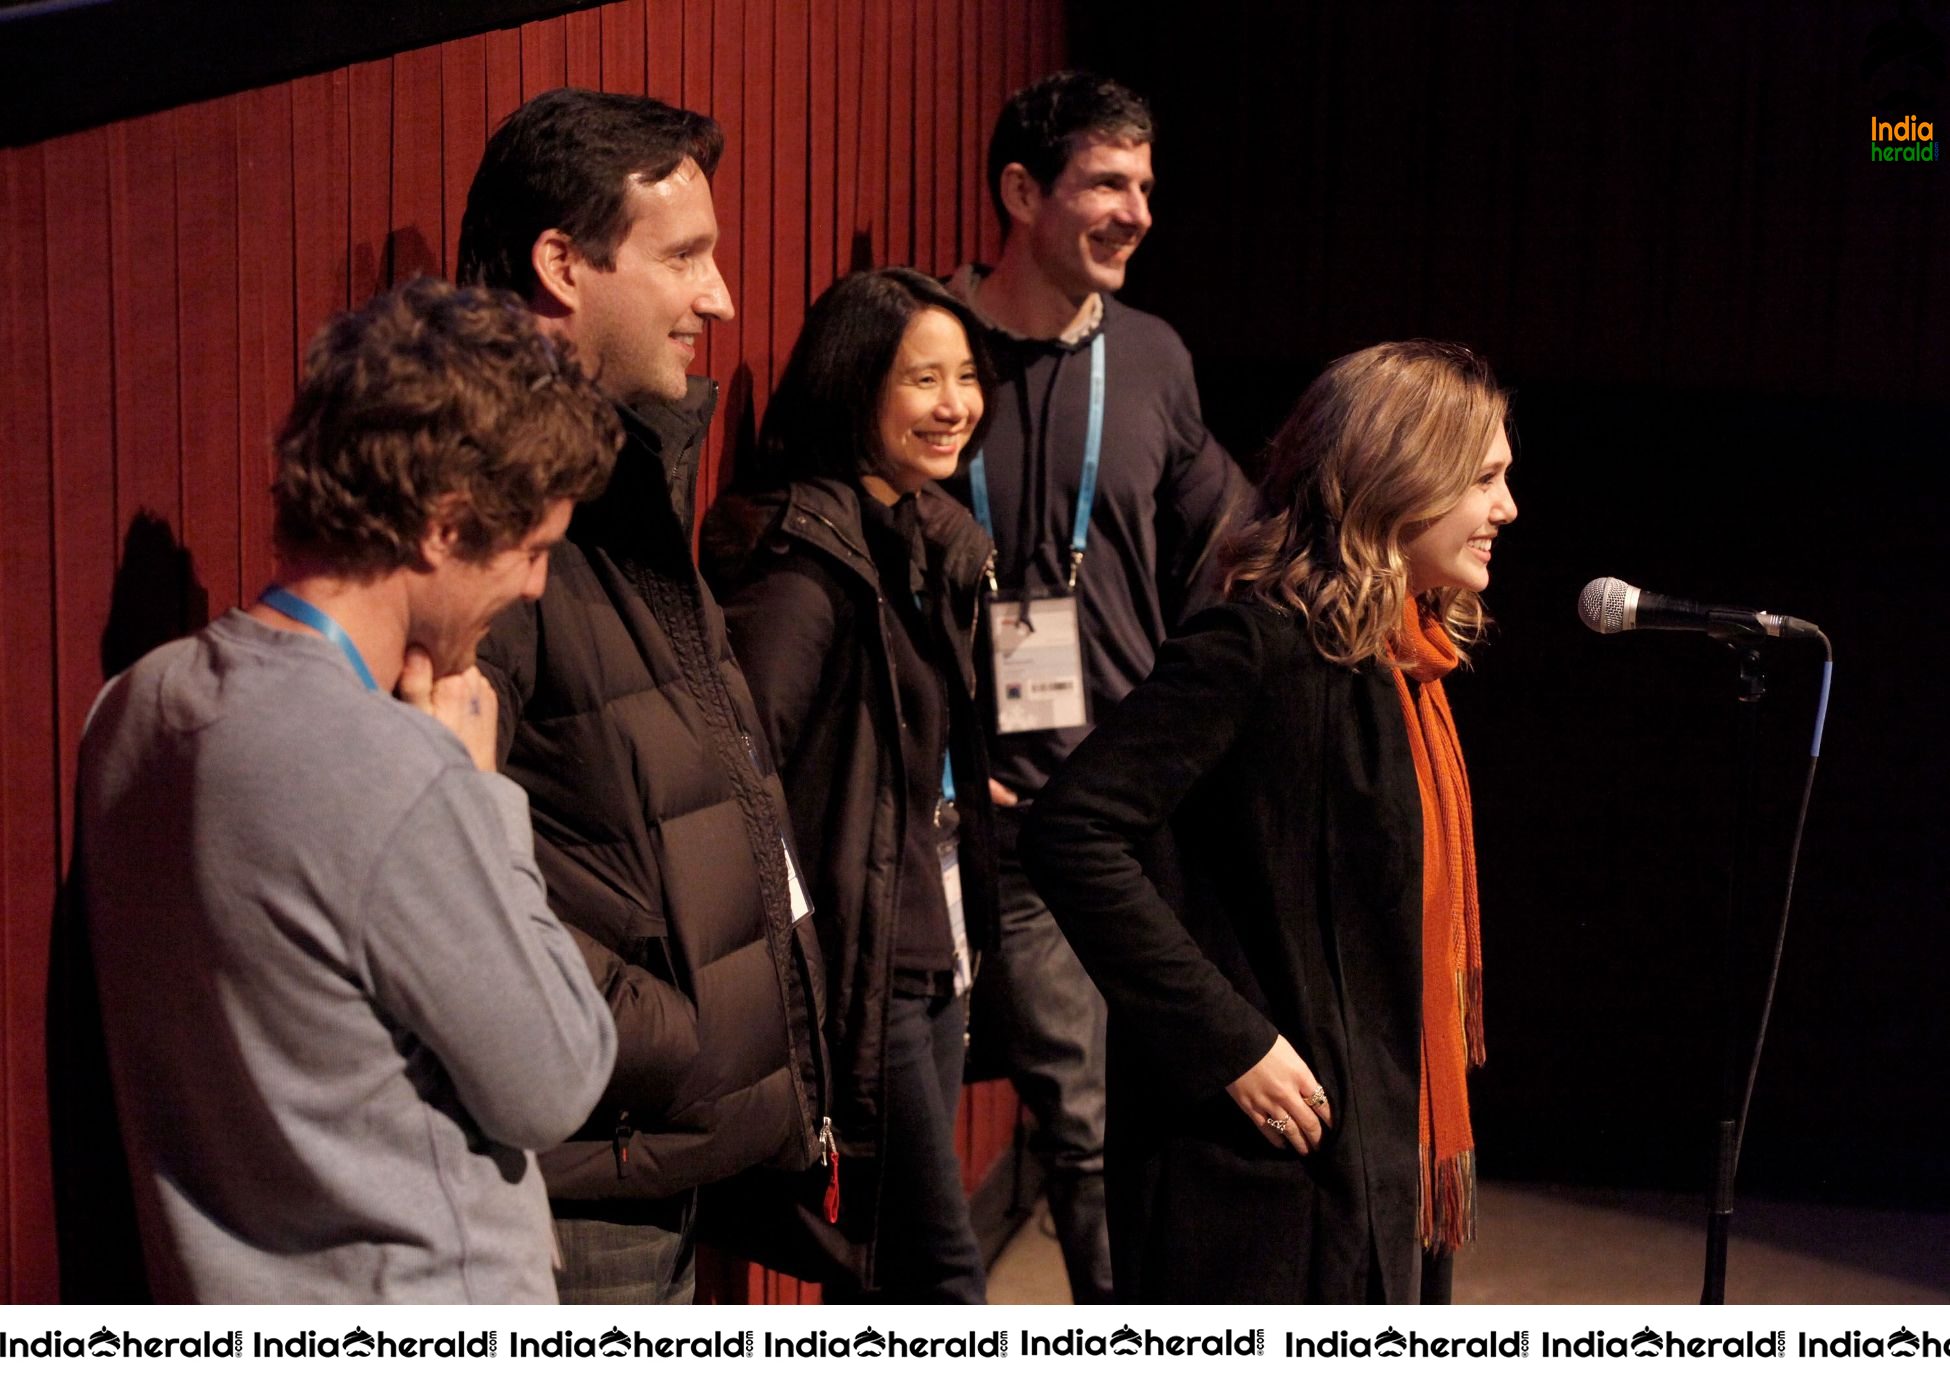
(340, 1018)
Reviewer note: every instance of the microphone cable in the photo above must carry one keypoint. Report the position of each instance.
(1787, 900)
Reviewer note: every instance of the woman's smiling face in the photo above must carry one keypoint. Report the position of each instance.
(1453, 550)
(930, 403)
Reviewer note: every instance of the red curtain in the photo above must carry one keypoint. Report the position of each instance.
(160, 276)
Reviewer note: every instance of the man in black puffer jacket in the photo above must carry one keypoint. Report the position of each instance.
(659, 821)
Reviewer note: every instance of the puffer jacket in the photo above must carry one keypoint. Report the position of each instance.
(660, 829)
(811, 624)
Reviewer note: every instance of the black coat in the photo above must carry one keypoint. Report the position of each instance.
(811, 626)
(659, 824)
(1291, 904)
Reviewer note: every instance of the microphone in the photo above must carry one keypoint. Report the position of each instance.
(1611, 605)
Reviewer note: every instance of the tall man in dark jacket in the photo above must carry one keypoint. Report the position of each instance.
(659, 821)
(1069, 169)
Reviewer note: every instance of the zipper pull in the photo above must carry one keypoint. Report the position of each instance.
(620, 1142)
(988, 573)
(829, 1152)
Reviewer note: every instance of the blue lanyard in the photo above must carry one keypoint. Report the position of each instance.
(319, 621)
(1093, 445)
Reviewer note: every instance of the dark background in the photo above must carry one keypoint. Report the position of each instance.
(1728, 333)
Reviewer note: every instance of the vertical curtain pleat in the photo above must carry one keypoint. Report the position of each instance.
(161, 277)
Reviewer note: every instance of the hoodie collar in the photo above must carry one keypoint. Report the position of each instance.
(826, 513)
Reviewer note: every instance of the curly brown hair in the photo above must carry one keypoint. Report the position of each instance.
(434, 401)
(1384, 441)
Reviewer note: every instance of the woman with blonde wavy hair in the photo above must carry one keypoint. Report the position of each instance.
(1264, 858)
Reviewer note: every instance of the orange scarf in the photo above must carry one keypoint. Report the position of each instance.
(1452, 952)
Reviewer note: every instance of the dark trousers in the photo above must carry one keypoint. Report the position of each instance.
(925, 1249)
(1438, 1279)
(1051, 1021)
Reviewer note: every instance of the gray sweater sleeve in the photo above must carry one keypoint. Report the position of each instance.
(461, 949)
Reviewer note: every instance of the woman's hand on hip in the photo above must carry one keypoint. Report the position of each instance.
(1283, 1098)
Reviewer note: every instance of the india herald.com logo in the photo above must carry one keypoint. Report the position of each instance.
(108, 1344)
(1910, 139)
(1902, 1343)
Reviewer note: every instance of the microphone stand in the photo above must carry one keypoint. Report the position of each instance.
(1611, 605)
(1751, 689)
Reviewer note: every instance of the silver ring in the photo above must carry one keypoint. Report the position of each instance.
(1318, 1099)
(1277, 1125)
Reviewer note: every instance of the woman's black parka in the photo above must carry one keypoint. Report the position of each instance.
(811, 624)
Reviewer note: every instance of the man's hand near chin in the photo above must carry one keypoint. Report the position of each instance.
(463, 701)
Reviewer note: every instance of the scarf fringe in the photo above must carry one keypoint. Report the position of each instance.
(1448, 1214)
